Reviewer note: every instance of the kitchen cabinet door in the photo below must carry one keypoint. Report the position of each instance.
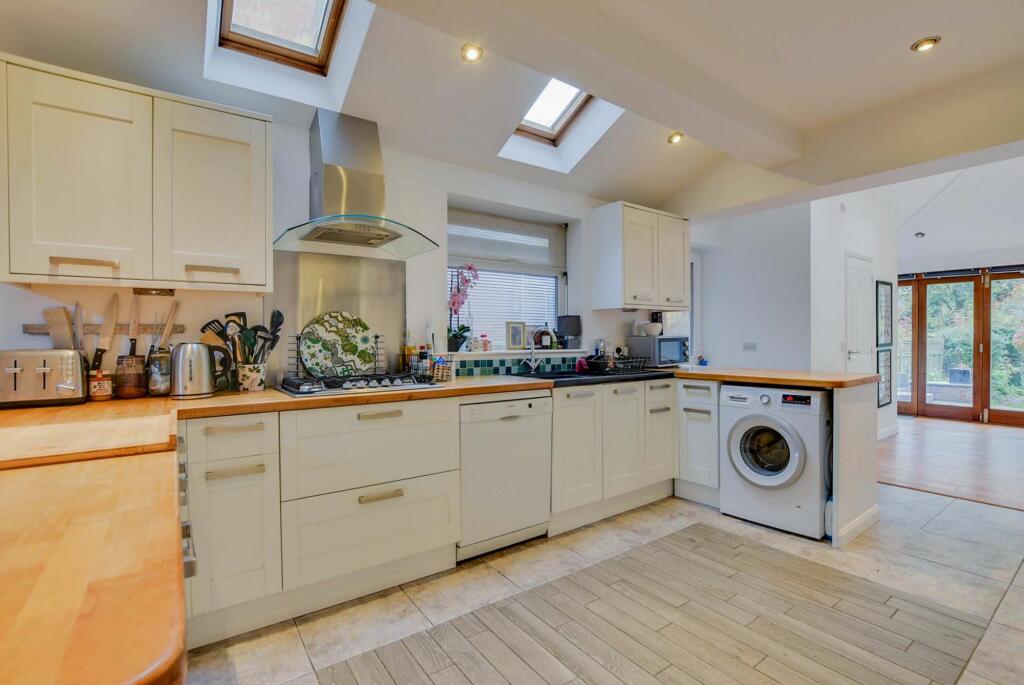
(673, 262)
(639, 257)
(210, 196)
(698, 450)
(661, 432)
(236, 525)
(577, 448)
(80, 175)
(623, 433)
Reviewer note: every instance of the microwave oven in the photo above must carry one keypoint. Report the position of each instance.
(660, 350)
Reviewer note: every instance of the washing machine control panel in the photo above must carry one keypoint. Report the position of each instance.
(766, 399)
(789, 398)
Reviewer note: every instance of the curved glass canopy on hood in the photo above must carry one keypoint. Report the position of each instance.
(339, 233)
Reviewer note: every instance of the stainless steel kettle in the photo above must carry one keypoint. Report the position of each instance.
(195, 370)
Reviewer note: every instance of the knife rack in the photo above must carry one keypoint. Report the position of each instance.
(94, 329)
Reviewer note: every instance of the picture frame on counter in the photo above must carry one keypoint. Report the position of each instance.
(515, 335)
(883, 314)
(884, 369)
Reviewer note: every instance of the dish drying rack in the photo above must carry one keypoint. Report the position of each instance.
(297, 369)
(610, 366)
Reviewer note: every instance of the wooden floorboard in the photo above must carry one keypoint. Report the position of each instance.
(699, 607)
(973, 461)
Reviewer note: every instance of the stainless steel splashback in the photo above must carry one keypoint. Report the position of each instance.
(307, 284)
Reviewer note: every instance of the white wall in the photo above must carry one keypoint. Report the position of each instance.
(20, 305)
(418, 190)
(755, 290)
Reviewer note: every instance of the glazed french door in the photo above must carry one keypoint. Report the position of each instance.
(959, 351)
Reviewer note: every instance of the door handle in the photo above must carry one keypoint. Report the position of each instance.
(697, 387)
(235, 472)
(370, 415)
(661, 410)
(579, 395)
(56, 260)
(624, 391)
(245, 428)
(381, 496)
(234, 270)
(691, 410)
(664, 386)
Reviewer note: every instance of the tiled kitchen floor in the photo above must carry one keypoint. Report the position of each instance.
(957, 553)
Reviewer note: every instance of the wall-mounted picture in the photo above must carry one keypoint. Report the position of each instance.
(885, 382)
(883, 313)
(515, 335)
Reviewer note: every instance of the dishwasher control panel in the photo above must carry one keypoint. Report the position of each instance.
(495, 411)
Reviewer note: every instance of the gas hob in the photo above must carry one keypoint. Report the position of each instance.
(345, 385)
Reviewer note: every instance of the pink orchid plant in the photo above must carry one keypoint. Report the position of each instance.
(462, 281)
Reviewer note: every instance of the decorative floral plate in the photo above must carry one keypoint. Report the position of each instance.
(336, 344)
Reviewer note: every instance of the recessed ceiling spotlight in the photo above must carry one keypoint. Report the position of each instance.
(919, 234)
(675, 138)
(925, 44)
(472, 53)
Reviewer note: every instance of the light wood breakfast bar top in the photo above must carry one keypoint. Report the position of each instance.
(49, 435)
(799, 379)
(92, 573)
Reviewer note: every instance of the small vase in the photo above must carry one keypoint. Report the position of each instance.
(252, 377)
(455, 343)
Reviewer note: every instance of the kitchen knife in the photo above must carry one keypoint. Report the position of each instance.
(133, 326)
(106, 333)
(168, 327)
(58, 323)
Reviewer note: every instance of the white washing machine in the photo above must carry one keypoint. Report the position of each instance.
(775, 457)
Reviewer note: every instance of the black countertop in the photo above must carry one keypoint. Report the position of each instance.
(567, 379)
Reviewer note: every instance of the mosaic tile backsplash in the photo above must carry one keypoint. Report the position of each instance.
(498, 367)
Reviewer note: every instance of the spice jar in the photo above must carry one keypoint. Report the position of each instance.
(101, 386)
(130, 376)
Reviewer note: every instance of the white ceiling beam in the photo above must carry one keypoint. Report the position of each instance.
(573, 41)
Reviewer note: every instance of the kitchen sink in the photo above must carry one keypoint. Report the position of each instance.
(551, 375)
(566, 378)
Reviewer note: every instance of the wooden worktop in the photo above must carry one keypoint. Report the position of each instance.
(48, 435)
(799, 379)
(92, 573)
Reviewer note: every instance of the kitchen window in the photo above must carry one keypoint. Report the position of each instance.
(521, 267)
(553, 112)
(296, 33)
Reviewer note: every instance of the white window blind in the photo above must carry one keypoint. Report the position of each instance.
(503, 296)
(521, 264)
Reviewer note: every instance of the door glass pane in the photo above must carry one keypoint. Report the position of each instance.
(765, 450)
(905, 343)
(950, 354)
(1007, 381)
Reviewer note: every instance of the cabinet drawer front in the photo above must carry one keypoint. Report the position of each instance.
(328, 450)
(229, 437)
(336, 534)
(698, 392)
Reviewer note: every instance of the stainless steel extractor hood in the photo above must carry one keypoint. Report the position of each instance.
(346, 196)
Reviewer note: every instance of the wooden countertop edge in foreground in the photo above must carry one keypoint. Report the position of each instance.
(92, 573)
(800, 379)
(21, 429)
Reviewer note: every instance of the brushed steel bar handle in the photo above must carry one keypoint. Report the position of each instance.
(510, 417)
(381, 496)
(56, 260)
(691, 410)
(235, 472)
(624, 391)
(661, 410)
(675, 299)
(370, 415)
(234, 270)
(696, 387)
(242, 428)
(578, 395)
(188, 558)
(663, 386)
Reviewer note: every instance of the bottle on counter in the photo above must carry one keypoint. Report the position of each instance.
(486, 342)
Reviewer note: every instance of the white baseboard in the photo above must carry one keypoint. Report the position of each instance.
(856, 527)
(695, 492)
(281, 606)
(888, 431)
(588, 513)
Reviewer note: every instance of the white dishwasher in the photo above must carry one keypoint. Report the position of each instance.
(506, 471)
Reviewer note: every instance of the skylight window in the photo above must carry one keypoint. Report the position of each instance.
(298, 33)
(553, 111)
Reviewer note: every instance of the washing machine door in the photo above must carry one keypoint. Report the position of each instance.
(766, 450)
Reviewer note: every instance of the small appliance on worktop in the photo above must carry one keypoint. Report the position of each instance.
(41, 377)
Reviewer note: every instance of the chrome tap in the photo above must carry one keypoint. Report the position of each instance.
(532, 363)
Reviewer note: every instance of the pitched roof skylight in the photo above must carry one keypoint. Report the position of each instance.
(553, 111)
(299, 33)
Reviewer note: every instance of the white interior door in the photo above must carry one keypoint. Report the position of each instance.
(860, 314)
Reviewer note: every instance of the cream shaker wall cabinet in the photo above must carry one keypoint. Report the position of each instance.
(114, 184)
(642, 256)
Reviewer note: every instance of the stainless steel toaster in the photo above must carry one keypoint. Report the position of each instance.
(38, 377)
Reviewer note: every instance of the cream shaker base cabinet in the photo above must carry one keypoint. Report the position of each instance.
(236, 526)
(343, 532)
(698, 427)
(577, 456)
(661, 431)
(209, 195)
(643, 258)
(623, 437)
(80, 163)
